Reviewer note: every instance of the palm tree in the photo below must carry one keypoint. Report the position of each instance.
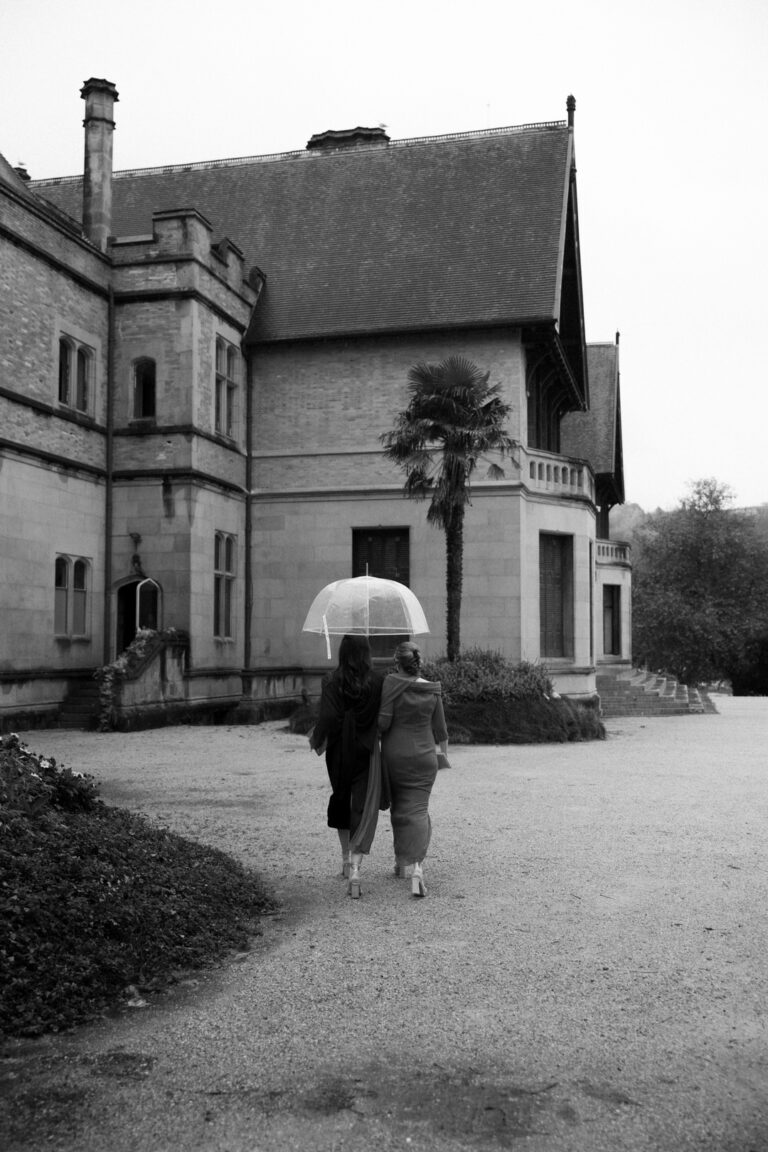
(453, 419)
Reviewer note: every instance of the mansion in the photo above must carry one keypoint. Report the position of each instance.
(197, 363)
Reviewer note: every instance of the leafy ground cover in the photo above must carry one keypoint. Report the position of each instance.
(96, 902)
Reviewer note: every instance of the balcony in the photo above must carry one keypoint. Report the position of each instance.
(613, 552)
(556, 475)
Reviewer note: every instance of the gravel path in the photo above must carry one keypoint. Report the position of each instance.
(588, 972)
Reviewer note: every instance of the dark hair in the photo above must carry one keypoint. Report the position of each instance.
(355, 665)
(408, 658)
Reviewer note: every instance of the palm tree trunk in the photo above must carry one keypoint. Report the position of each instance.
(454, 566)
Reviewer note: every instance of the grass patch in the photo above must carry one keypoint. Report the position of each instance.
(95, 901)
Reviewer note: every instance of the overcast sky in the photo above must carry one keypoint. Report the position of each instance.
(671, 125)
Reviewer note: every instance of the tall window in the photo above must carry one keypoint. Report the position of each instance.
(71, 590)
(65, 370)
(612, 619)
(75, 374)
(227, 370)
(223, 584)
(556, 594)
(382, 552)
(144, 389)
(544, 410)
(61, 601)
(82, 361)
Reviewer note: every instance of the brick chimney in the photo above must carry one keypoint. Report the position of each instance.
(100, 97)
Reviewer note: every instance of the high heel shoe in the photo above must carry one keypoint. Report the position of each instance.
(417, 881)
(353, 886)
(346, 865)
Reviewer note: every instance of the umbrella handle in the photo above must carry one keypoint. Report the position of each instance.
(327, 637)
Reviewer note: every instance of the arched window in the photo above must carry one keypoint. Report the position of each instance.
(83, 360)
(227, 373)
(144, 388)
(71, 591)
(61, 595)
(65, 370)
(223, 584)
(79, 598)
(76, 363)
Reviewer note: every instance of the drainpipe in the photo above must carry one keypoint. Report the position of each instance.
(248, 613)
(109, 465)
(257, 280)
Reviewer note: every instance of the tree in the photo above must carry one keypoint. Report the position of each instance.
(700, 587)
(454, 418)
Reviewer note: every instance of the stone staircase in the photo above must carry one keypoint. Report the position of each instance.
(625, 691)
(80, 707)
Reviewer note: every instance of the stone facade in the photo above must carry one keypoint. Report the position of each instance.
(203, 481)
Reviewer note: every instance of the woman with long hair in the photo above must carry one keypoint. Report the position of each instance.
(412, 722)
(346, 732)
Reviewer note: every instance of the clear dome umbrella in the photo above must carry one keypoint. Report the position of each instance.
(365, 606)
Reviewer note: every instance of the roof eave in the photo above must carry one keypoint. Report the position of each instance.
(547, 323)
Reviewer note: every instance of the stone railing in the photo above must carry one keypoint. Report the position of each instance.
(559, 475)
(613, 552)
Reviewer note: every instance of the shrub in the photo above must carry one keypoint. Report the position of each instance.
(303, 719)
(490, 700)
(30, 785)
(94, 899)
(483, 675)
(522, 722)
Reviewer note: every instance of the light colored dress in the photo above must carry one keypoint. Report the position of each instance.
(411, 721)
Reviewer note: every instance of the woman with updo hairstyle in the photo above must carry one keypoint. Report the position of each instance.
(412, 723)
(346, 732)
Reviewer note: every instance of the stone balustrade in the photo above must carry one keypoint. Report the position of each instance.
(613, 552)
(560, 475)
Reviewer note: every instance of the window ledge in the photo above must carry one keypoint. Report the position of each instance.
(76, 415)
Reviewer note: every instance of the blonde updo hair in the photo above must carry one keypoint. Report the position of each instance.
(408, 658)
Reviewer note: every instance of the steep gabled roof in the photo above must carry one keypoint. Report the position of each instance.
(461, 230)
(595, 435)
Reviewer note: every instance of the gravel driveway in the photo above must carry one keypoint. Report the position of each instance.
(587, 973)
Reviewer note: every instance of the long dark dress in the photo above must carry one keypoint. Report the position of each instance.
(347, 725)
(412, 721)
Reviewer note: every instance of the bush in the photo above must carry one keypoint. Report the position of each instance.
(95, 900)
(483, 675)
(490, 700)
(303, 719)
(522, 722)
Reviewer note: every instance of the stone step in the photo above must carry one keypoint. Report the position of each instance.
(637, 692)
(84, 721)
